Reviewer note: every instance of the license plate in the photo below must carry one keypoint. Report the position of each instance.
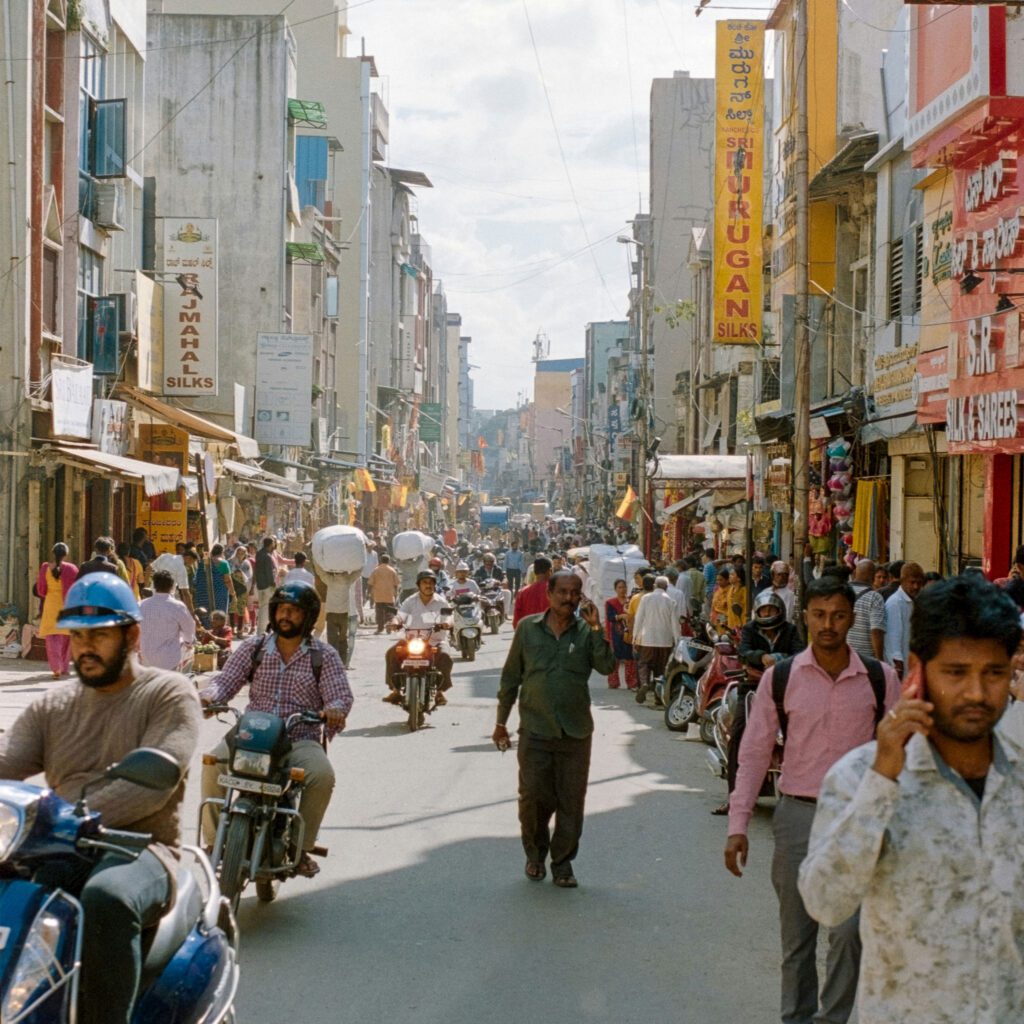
(250, 785)
(416, 663)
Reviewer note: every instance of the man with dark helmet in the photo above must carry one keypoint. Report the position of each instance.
(288, 670)
(765, 640)
(73, 734)
(420, 611)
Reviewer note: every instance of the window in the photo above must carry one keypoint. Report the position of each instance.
(51, 291)
(331, 297)
(102, 138)
(895, 278)
(90, 278)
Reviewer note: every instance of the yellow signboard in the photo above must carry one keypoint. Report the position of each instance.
(739, 181)
(165, 516)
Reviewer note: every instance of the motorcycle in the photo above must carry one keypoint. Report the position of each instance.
(418, 679)
(724, 718)
(724, 666)
(492, 605)
(259, 829)
(468, 625)
(190, 965)
(677, 688)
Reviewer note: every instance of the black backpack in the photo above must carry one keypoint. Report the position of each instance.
(316, 658)
(780, 680)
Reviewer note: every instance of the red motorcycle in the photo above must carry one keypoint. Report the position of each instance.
(725, 667)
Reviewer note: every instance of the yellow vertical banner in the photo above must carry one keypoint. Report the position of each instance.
(739, 181)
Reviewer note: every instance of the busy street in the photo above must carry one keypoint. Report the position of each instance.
(422, 913)
(511, 511)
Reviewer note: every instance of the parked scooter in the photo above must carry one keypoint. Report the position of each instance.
(418, 678)
(467, 628)
(492, 605)
(190, 966)
(259, 828)
(724, 718)
(725, 665)
(677, 689)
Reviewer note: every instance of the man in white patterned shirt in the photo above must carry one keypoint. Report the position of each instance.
(923, 828)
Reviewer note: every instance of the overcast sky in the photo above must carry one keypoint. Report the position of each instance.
(516, 253)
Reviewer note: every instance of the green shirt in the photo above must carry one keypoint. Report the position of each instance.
(550, 677)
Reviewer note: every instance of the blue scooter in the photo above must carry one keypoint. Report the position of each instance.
(190, 971)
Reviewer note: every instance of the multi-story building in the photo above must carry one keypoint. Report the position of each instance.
(682, 154)
(70, 240)
(551, 427)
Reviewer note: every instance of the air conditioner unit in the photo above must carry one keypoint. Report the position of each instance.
(108, 205)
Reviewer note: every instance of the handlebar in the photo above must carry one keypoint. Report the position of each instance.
(219, 709)
(309, 717)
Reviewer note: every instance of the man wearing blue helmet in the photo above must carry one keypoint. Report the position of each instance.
(73, 734)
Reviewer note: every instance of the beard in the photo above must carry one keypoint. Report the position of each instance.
(967, 731)
(287, 629)
(112, 670)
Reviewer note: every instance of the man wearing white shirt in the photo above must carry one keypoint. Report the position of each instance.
(780, 586)
(168, 629)
(680, 589)
(300, 574)
(655, 630)
(420, 611)
(897, 616)
(175, 565)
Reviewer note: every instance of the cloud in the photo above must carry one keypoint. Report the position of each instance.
(468, 107)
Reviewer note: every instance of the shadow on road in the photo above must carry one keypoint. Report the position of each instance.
(658, 931)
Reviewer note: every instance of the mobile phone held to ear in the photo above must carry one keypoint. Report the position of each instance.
(913, 684)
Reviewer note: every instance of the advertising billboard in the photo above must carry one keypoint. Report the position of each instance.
(284, 389)
(190, 306)
(739, 182)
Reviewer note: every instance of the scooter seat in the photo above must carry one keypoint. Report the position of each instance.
(163, 941)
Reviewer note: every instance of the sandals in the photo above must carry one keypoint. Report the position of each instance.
(394, 697)
(439, 699)
(307, 867)
(535, 871)
(721, 810)
(564, 881)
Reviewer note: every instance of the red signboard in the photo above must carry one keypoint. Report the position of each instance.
(957, 61)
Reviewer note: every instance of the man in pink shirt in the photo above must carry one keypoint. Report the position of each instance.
(830, 705)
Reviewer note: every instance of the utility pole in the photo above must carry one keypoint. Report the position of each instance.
(644, 230)
(801, 339)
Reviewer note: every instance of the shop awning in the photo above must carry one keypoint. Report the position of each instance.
(711, 469)
(662, 515)
(269, 483)
(155, 479)
(194, 424)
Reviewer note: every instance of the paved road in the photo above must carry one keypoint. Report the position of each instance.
(422, 913)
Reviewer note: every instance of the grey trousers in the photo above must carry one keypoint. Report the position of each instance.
(800, 998)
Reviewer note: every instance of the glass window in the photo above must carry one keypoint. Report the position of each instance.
(108, 139)
(90, 277)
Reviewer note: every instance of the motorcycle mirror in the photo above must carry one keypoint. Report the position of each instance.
(145, 766)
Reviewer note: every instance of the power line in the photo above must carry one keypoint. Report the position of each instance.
(561, 151)
(186, 46)
(632, 106)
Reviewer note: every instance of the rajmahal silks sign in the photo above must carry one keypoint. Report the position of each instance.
(190, 306)
(739, 181)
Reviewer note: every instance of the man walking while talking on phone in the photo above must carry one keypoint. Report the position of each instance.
(549, 666)
(924, 828)
(825, 701)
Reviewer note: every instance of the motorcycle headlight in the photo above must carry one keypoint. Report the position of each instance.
(12, 822)
(251, 762)
(417, 645)
(38, 971)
